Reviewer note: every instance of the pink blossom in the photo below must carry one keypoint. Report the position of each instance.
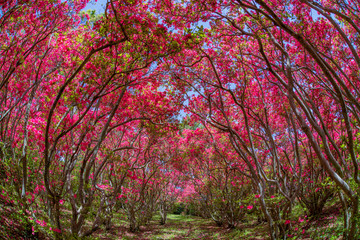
(55, 230)
(41, 223)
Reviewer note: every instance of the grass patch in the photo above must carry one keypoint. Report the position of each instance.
(327, 226)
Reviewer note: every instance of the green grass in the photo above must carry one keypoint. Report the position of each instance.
(181, 227)
(327, 226)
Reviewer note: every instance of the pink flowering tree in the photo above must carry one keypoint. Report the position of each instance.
(88, 110)
(221, 190)
(85, 88)
(267, 71)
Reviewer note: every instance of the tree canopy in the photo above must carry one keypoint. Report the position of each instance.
(233, 107)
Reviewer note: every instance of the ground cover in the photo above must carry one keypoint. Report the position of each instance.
(184, 227)
(326, 226)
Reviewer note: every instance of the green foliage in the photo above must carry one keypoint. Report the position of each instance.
(178, 208)
(93, 16)
(196, 35)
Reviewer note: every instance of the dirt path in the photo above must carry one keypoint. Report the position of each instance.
(181, 227)
(177, 227)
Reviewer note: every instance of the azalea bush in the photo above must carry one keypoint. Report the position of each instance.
(229, 107)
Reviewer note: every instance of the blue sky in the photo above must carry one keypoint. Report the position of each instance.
(98, 6)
